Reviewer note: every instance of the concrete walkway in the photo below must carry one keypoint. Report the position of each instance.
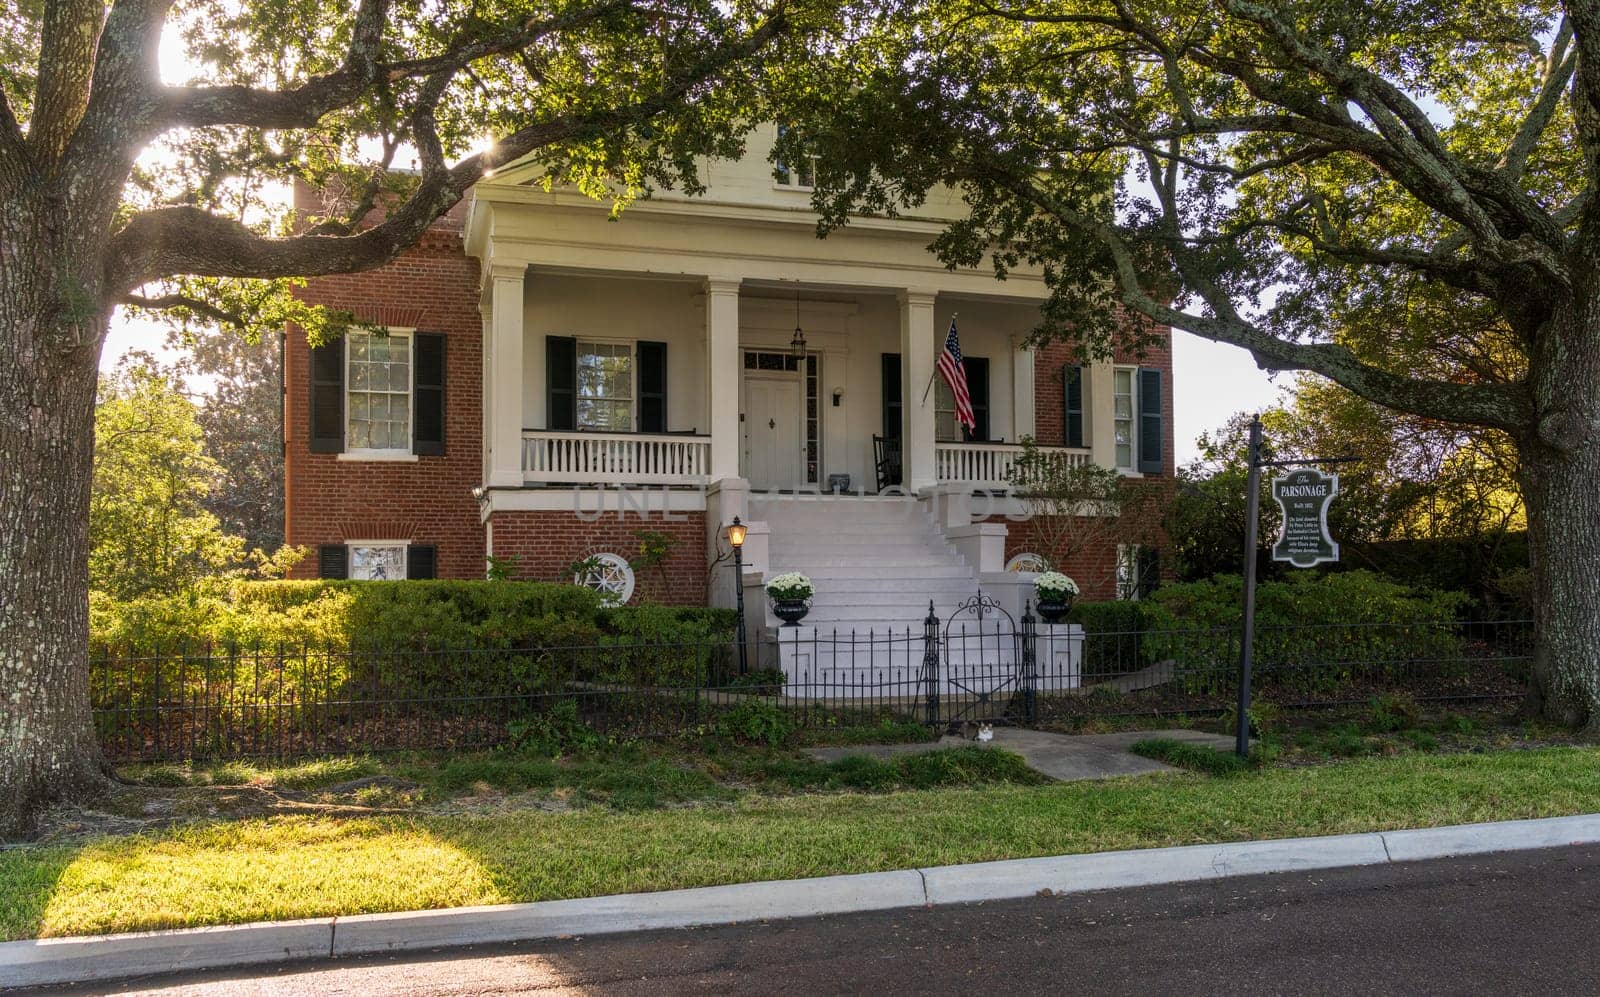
(1063, 757)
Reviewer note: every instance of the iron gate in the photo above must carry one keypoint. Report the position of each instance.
(981, 666)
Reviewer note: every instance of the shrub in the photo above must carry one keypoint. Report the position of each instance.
(1195, 757)
(1113, 636)
(755, 722)
(301, 642)
(1313, 633)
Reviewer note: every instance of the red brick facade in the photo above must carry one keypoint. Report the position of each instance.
(1095, 570)
(546, 544)
(1049, 398)
(431, 288)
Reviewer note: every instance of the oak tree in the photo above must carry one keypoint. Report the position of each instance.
(124, 181)
(1259, 172)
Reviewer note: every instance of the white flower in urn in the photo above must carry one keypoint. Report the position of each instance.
(790, 593)
(1053, 586)
(1053, 594)
(791, 586)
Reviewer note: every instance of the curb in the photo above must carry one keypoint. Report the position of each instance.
(56, 961)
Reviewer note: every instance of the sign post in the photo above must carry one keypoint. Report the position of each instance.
(1303, 541)
(1247, 635)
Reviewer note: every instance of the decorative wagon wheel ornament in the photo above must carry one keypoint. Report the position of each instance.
(609, 575)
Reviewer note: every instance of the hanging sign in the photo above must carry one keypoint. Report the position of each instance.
(1303, 496)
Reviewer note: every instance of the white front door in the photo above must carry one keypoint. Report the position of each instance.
(772, 439)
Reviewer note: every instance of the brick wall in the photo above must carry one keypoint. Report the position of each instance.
(1049, 397)
(432, 288)
(547, 543)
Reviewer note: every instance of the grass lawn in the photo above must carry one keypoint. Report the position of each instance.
(308, 865)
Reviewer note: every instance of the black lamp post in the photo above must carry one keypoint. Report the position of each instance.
(736, 533)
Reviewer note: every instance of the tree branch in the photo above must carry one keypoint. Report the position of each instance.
(186, 240)
(170, 301)
(1496, 406)
(304, 105)
(68, 34)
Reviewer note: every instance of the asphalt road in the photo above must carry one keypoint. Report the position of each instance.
(1521, 923)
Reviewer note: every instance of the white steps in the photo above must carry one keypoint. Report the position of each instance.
(875, 564)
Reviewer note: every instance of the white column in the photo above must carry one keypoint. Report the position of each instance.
(919, 342)
(1022, 413)
(722, 374)
(503, 378)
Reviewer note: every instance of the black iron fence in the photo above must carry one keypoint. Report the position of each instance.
(208, 701)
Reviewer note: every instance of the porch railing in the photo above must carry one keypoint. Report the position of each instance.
(615, 458)
(989, 464)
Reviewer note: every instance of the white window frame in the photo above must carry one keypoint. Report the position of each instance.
(786, 178)
(1127, 573)
(1131, 467)
(384, 453)
(350, 556)
(633, 389)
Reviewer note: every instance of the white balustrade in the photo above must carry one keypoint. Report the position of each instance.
(614, 458)
(988, 465)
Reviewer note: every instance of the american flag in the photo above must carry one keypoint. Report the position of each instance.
(955, 375)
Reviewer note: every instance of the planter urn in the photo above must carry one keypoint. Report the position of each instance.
(790, 611)
(1054, 610)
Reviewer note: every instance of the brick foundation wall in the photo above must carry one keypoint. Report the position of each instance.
(432, 288)
(547, 543)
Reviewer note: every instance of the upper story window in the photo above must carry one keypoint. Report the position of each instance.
(606, 389)
(945, 427)
(378, 392)
(801, 175)
(1122, 417)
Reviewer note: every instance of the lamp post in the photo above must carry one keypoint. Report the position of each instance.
(736, 533)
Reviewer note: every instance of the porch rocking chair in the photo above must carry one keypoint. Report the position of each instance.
(886, 454)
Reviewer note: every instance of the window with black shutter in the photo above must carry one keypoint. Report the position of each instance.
(326, 432)
(427, 427)
(1150, 427)
(561, 382)
(1149, 570)
(422, 561)
(652, 387)
(1072, 429)
(333, 561)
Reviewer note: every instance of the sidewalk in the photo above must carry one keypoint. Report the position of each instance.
(1062, 757)
(55, 961)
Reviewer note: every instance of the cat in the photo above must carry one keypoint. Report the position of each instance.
(974, 730)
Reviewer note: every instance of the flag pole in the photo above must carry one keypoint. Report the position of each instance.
(935, 371)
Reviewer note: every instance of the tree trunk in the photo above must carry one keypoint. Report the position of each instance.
(1560, 470)
(52, 324)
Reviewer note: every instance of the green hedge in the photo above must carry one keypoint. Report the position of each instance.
(302, 641)
(1313, 633)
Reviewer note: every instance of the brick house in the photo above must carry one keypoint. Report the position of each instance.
(558, 387)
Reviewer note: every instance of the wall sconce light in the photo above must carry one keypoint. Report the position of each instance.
(838, 393)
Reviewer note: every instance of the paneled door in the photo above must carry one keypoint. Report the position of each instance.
(773, 447)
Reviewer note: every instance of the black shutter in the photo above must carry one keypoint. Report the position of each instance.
(652, 387)
(977, 370)
(1072, 431)
(327, 398)
(422, 561)
(333, 561)
(561, 382)
(1149, 571)
(1150, 430)
(427, 427)
(891, 396)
